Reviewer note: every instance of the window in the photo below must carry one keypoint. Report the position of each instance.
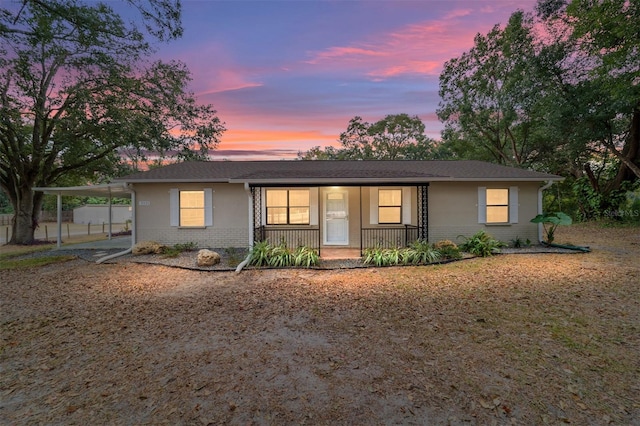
(287, 206)
(390, 206)
(191, 208)
(497, 205)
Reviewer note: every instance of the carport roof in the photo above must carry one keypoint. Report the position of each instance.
(107, 190)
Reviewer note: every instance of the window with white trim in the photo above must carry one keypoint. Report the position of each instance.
(191, 208)
(288, 206)
(497, 205)
(389, 206)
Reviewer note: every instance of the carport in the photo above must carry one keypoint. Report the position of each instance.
(107, 190)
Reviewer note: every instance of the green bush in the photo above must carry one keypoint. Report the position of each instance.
(517, 242)
(447, 249)
(280, 256)
(550, 222)
(178, 248)
(419, 252)
(481, 244)
(306, 257)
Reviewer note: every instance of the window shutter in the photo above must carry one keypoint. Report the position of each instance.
(313, 206)
(373, 205)
(406, 205)
(174, 207)
(208, 207)
(513, 204)
(482, 204)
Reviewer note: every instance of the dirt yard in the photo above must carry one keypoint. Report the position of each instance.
(512, 339)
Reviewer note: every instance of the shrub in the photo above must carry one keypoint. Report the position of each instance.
(305, 256)
(517, 242)
(260, 253)
(375, 256)
(421, 251)
(280, 256)
(178, 248)
(481, 244)
(447, 249)
(550, 222)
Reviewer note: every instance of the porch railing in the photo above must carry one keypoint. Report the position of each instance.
(383, 237)
(390, 237)
(294, 237)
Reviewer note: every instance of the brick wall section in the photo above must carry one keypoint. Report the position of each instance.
(230, 216)
(205, 238)
(453, 211)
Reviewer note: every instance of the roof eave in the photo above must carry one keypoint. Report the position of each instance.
(167, 180)
(373, 181)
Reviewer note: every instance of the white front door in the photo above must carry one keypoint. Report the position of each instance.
(336, 218)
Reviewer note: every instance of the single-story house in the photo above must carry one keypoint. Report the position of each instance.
(332, 204)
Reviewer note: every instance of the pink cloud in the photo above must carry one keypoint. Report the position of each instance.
(220, 80)
(225, 75)
(403, 52)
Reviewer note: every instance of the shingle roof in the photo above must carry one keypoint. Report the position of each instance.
(335, 172)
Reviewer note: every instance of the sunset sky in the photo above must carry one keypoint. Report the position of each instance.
(289, 75)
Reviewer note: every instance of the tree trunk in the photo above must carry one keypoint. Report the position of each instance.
(25, 219)
(630, 155)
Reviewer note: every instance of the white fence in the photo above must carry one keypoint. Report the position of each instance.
(94, 213)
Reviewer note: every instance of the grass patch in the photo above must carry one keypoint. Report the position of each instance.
(12, 264)
(15, 251)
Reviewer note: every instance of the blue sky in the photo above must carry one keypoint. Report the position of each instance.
(289, 75)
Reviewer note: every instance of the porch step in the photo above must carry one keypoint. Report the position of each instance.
(339, 253)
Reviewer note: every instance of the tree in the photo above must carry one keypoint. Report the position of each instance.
(599, 99)
(608, 34)
(77, 93)
(557, 92)
(489, 97)
(395, 137)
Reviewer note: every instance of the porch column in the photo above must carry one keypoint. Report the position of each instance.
(256, 195)
(423, 211)
(110, 215)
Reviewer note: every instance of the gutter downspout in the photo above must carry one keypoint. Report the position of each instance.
(250, 203)
(133, 229)
(540, 227)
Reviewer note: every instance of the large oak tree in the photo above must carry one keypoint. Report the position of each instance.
(79, 96)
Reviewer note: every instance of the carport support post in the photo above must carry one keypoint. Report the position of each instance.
(59, 219)
(109, 214)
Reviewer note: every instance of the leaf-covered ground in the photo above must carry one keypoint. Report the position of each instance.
(523, 339)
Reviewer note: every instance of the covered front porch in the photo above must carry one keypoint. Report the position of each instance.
(340, 221)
